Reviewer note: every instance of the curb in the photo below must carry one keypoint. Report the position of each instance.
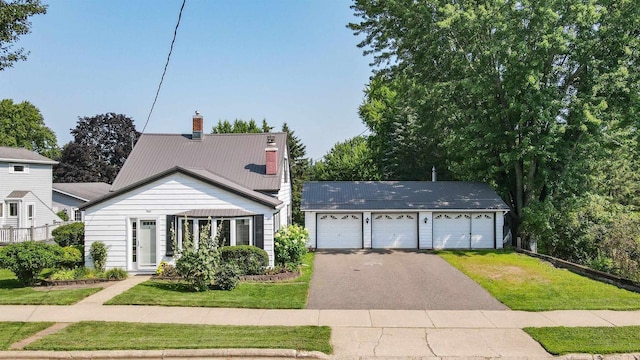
(163, 354)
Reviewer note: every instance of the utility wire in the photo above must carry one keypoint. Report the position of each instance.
(175, 33)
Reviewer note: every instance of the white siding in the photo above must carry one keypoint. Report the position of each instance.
(310, 224)
(425, 231)
(109, 221)
(284, 194)
(499, 229)
(366, 236)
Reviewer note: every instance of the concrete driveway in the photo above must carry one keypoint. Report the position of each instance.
(393, 279)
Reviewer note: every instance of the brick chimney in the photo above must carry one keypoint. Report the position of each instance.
(197, 126)
(271, 153)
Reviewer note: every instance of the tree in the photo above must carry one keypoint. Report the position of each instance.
(346, 161)
(22, 125)
(299, 165)
(238, 126)
(100, 147)
(14, 21)
(517, 91)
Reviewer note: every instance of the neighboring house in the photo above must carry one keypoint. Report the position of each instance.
(403, 214)
(170, 181)
(25, 190)
(68, 197)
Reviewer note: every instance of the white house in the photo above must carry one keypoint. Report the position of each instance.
(25, 190)
(238, 181)
(403, 214)
(68, 197)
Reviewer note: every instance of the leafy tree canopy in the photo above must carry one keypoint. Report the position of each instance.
(240, 127)
(22, 125)
(347, 161)
(100, 147)
(14, 21)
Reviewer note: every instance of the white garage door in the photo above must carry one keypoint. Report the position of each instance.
(394, 231)
(339, 231)
(482, 231)
(451, 230)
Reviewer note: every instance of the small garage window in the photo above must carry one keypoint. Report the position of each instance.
(19, 168)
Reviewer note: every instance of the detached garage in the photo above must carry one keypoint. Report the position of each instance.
(403, 215)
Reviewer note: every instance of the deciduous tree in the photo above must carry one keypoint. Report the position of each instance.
(14, 22)
(22, 125)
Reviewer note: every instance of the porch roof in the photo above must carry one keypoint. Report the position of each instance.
(216, 213)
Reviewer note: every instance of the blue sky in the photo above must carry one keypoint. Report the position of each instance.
(288, 61)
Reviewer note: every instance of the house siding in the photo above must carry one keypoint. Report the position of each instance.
(499, 231)
(425, 231)
(366, 231)
(284, 194)
(310, 224)
(67, 203)
(109, 221)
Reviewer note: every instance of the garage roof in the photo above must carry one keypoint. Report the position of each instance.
(400, 195)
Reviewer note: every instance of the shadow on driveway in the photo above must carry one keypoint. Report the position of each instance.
(393, 280)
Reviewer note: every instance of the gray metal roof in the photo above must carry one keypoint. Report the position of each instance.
(83, 191)
(214, 213)
(236, 157)
(396, 195)
(17, 194)
(23, 155)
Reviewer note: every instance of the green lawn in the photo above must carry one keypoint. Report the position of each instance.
(590, 340)
(12, 332)
(12, 293)
(94, 335)
(525, 283)
(281, 295)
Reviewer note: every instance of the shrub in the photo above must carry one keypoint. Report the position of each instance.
(63, 215)
(85, 273)
(166, 270)
(63, 274)
(116, 274)
(227, 276)
(197, 265)
(29, 258)
(69, 234)
(98, 252)
(250, 260)
(71, 257)
(290, 245)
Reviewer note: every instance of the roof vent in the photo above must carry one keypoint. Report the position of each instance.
(197, 126)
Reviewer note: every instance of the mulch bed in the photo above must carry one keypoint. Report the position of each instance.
(288, 275)
(73, 284)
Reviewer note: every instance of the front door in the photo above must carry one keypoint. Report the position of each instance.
(147, 244)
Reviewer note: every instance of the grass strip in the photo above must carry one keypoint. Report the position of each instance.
(12, 332)
(95, 335)
(290, 294)
(13, 293)
(588, 340)
(525, 283)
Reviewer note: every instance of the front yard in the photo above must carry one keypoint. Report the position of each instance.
(525, 283)
(279, 295)
(589, 340)
(13, 293)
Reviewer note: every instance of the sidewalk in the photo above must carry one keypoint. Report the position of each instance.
(356, 333)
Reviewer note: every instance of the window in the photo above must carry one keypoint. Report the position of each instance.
(77, 215)
(1, 210)
(13, 209)
(242, 232)
(225, 233)
(18, 168)
(134, 241)
(30, 211)
(286, 170)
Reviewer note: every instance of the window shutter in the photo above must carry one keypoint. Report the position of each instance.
(171, 224)
(258, 231)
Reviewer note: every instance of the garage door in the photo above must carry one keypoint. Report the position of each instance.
(451, 231)
(339, 231)
(463, 231)
(394, 231)
(482, 231)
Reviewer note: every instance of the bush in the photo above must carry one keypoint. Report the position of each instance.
(63, 215)
(29, 258)
(98, 252)
(71, 257)
(116, 274)
(227, 276)
(197, 265)
(250, 260)
(290, 245)
(86, 273)
(166, 270)
(63, 274)
(69, 234)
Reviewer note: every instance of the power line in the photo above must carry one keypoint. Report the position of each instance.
(175, 33)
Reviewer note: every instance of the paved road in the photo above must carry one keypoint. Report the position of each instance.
(395, 280)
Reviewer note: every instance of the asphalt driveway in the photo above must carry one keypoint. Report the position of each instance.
(395, 280)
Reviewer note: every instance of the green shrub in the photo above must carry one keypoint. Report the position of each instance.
(250, 260)
(227, 276)
(63, 215)
(98, 252)
(69, 234)
(71, 257)
(85, 273)
(63, 274)
(116, 274)
(29, 258)
(197, 265)
(290, 245)
(167, 270)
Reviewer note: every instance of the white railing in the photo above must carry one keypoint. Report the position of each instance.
(39, 233)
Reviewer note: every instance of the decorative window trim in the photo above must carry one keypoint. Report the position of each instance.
(18, 168)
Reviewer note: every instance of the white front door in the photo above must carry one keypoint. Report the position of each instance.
(395, 231)
(147, 244)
